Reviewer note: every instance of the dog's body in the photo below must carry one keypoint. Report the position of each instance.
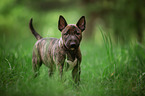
(54, 52)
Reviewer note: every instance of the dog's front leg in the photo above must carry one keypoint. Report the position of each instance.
(59, 61)
(76, 74)
(61, 70)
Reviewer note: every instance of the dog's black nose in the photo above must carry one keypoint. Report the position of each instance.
(72, 44)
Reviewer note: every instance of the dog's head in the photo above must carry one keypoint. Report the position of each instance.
(71, 33)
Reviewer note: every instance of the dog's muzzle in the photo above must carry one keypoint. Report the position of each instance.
(73, 45)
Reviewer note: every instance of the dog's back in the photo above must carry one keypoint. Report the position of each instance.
(45, 47)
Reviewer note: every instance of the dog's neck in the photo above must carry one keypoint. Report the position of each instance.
(60, 42)
(62, 45)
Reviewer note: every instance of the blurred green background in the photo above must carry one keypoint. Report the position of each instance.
(113, 47)
(124, 19)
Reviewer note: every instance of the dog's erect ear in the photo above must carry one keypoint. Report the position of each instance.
(81, 23)
(61, 23)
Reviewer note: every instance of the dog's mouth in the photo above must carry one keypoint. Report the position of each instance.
(73, 46)
(72, 49)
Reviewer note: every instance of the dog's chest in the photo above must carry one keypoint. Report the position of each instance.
(71, 64)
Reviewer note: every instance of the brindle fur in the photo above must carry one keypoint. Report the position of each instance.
(52, 52)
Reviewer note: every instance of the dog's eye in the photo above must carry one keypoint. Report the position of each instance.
(78, 33)
(65, 33)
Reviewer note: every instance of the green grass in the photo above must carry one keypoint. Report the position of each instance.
(107, 70)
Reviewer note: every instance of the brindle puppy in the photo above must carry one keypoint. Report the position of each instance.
(54, 52)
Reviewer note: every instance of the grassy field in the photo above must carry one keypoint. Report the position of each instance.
(107, 70)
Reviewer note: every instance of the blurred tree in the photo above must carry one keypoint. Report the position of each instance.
(95, 9)
(47, 5)
(139, 18)
(126, 17)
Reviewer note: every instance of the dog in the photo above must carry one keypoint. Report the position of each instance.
(55, 53)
